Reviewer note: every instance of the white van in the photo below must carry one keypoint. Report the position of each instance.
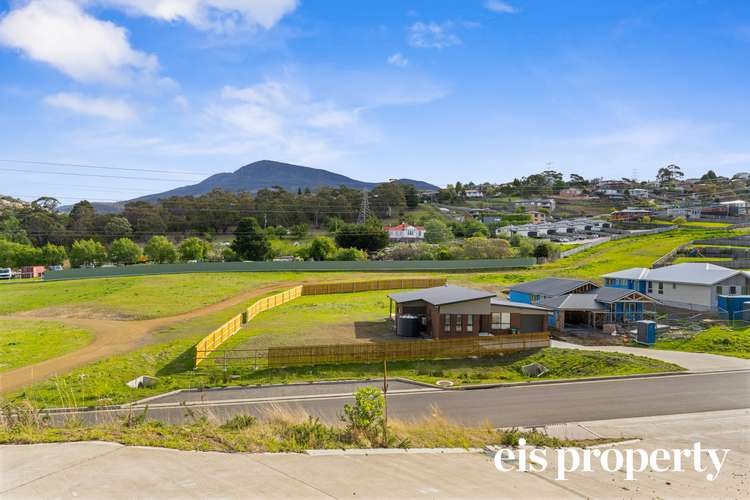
(5, 273)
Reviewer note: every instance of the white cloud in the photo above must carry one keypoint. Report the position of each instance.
(398, 60)
(111, 109)
(499, 7)
(213, 15)
(59, 33)
(432, 35)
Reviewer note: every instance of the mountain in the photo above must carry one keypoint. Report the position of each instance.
(267, 174)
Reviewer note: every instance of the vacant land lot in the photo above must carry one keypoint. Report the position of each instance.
(25, 342)
(319, 319)
(724, 340)
(144, 297)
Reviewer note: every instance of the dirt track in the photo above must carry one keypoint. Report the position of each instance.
(110, 337)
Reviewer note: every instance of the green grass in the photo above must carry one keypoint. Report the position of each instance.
(723, 340)
(24, 342)
(143, 297)
(693, 223)
(319, 319)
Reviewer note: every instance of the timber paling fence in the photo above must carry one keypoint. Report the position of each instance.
(278, 357)
(213, 340)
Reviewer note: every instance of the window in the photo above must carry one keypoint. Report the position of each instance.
(732, 290)
(470, 323)
(674, 286)
(447, 323)
(459, 322)
(500, 321)
(650, 287)
(718, 290)
(661, 287)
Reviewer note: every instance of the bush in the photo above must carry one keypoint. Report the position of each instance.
(679, 220)
(19, 255)
(351, 254)
(437, 231)
(124, 251)
(239, 422)
(370, 237)
(366, 414)
(250, 241)
(483, 248)
(160, 250)
(87, 252)
(322, 248)
(53, 255)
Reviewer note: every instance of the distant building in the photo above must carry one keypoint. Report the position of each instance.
(571, 192)
(536, 204)
(744, 176)
(687, 212)
(28, 272)
(473, 193)
(405, 233)
(736, 207)
(638, 193)
(537, 217)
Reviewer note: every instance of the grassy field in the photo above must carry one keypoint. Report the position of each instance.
(698, 224)
(680, 260)
(723, 340)
(319, 319)
(25, 342)
(143, 297)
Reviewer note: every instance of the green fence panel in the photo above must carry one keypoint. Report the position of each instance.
(306, 266)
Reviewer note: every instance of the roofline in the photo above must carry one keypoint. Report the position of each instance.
(565, 292)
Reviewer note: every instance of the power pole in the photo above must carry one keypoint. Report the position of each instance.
(364, 209)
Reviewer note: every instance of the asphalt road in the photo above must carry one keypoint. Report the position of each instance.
(531, 405)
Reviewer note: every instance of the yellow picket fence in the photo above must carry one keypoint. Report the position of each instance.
(210, 342)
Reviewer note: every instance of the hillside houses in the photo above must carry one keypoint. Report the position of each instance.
(562, 228)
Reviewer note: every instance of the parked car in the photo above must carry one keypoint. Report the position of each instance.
(6, 273)
(56, 267)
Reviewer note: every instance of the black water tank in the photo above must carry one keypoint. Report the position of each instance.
(408, 325)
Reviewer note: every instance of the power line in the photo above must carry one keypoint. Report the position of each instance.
(79, 165)
(94, 175)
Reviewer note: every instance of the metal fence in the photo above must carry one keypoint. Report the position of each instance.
(278, 357)
(210, 342)
(304, 266)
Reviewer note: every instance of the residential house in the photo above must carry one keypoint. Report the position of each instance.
(537, 217)
(638, 193)
(536, 204)
(448, 312)
(28, 272)
(736, 207)
(691, 285)
(473, 193)
(571, 192)
(744, 176)
(687, 212)
(405, 233)
(581, 303)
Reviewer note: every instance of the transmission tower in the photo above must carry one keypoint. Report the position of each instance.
(364, 209)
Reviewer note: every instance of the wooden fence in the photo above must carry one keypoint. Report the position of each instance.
(277, 357)
(210, 342)
(368, 286)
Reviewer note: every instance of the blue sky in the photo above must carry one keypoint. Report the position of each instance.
(482, 90)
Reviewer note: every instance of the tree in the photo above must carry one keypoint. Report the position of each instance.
(11, 229)
(118, 227)
(299, 231)
(322, 248)
(250, 241)
(709, 176)
(437, 231)
(483, 248)
(87, 253)
(18, 255)
(81, 219)
(369, 237)
(411, 196)
(124, 251)
(366, 414)
(160, 250)
(667, 175)
(194, 249)
(53, 255)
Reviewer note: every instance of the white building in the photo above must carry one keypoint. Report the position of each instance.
(405, 233)
(473, 193)
(691, 285)
(638, 193)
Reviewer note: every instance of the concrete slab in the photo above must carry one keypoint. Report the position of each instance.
(693, 361)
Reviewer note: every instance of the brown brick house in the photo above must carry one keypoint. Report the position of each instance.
(452, 312)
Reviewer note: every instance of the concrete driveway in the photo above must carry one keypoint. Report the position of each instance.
(692, 361)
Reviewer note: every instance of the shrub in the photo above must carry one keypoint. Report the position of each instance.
(437, 231)
(679, 220)
(250, 241)
(351, 254)
(239, 422)
(194, 249)
(366, 414)
(53, 255)
(322, 248)
(370, 237)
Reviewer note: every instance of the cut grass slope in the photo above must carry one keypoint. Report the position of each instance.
(723, 340)
(26, 342)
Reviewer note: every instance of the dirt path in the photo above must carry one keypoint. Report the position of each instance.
(110, 337)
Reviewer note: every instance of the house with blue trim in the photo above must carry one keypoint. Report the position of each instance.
(582, 303)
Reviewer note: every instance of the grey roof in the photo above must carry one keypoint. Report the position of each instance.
(574, 302)
(609, 294)
(518, 305)
(551, 287)
(697, 273)
(448, 294)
